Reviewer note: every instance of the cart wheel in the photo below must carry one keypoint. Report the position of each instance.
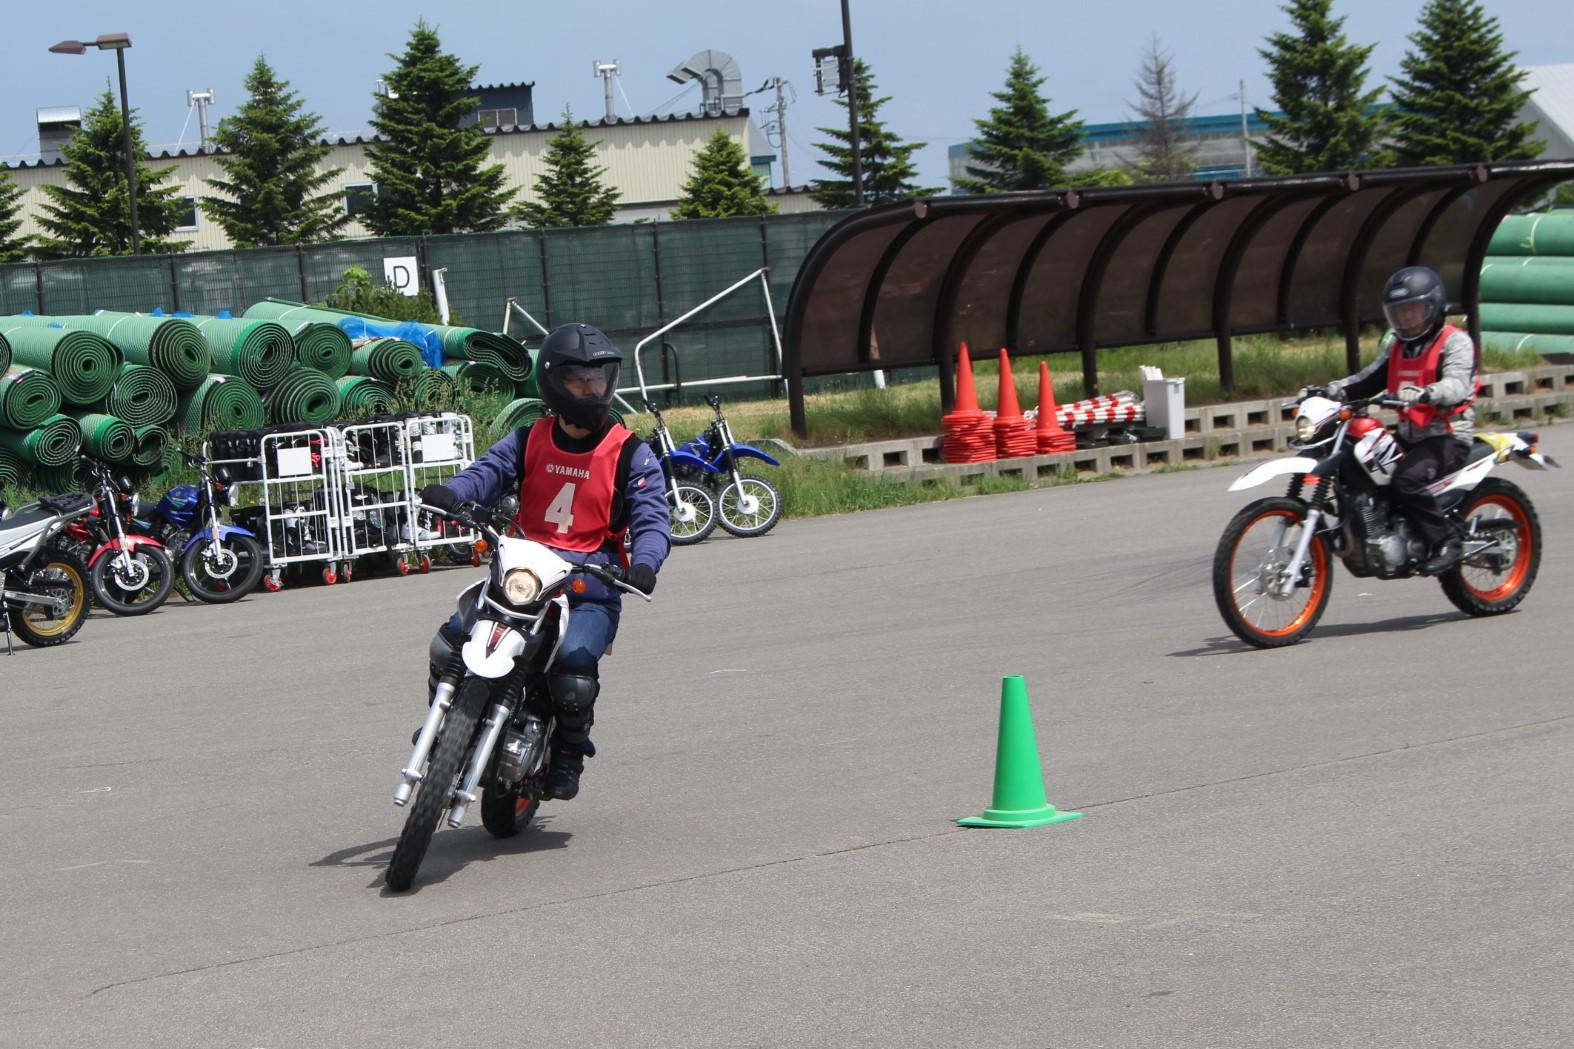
(272, 584)
(329, 576)
(404, 567)
(346, 573)
(426, 563)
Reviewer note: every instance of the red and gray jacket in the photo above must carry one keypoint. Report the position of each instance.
(1445, 367)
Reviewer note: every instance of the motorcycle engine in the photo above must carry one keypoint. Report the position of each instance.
(1385, 542)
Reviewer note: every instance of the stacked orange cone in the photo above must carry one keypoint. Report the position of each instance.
(1050, 436)
(1014, 437)
(968, 437)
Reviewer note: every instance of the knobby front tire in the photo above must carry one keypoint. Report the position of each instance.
(767, 511)
(435, 793)
(1482, 585)
(687, 533)
(1252, 553)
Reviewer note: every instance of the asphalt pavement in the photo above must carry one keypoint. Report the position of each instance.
(1358, 841)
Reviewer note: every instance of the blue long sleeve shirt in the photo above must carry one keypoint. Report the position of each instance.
(496, 474)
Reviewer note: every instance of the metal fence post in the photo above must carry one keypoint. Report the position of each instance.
(174, 285)
(300, 265)
(38, 281)
(546, 284)
(655, 252)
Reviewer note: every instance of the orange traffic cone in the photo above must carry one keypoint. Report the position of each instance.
(968, 438)
(966, 396)
(1013, 439)
(1051, 437)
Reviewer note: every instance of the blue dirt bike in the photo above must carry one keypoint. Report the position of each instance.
(692, 510)
(219, 562)
(747, 505)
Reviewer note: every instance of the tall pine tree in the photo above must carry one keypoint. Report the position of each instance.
(91, 213)
(570, 191)
(1319, 79)
(721, 183)
(429, 167)
(270, 155)
(1021, 145)
(1458, 100)
(1165, 147)
(12, 247)
(887, 161)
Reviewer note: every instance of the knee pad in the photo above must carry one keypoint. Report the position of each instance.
(441, 650)
(572, 693)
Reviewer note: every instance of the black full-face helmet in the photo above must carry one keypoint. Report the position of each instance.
(577, 373)
(1414, 302)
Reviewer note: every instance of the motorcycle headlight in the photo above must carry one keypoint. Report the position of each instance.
(520, 586)
(1305, 429)
(134, 503)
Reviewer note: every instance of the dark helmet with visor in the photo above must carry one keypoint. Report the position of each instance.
(1414, 303)
(577, 373)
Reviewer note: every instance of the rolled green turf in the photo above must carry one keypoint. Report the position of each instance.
(521, 412)
(433, 388)
(477, 375)
(388, 359)
(28, 396)
(171, 344)
(142, 395)
(259, 351)
(106, 438)
(5, 355)
(53, 442)
(58, 477)
(152, 442)
(12, 468)
(220, 403)
(83, 364)
(304, 396)
(363, 393)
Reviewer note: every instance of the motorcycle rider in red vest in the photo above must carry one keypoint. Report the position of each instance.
(1431, 366)
(582, 481)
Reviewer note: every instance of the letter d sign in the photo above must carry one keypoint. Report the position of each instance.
(401, 274)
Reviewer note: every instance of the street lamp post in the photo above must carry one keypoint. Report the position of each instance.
(116, 42)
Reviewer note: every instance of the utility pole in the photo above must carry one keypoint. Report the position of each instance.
(851, 75)
(780, 109)
(606, 71)
(202, 100)
(1246, 143)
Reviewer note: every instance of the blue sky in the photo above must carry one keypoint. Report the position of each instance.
(938, 60)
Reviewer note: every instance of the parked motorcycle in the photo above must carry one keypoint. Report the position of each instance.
(692, 508)
(1272, 571)
(490, 723)
(131, 573)
(219, 562)
(43, 587)
(747, 505)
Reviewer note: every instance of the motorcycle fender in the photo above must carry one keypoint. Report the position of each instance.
(132, 543)
(692, 461)
(747, 451)
(492, 649)
(1299, 464)
(225, 531)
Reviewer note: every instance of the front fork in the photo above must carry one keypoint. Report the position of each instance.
(1286, 581)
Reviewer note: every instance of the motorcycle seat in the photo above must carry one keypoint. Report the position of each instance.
(24, 521)
(1479, 450)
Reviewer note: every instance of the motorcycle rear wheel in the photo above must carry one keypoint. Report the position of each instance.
(229, 580)
(436, 791)
(766, 511)
(504, 813)
(111, 594)
(40, 628)
(1479, 587)
(687, 533)
(1250, 554)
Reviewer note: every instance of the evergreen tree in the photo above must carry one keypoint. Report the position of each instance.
(1022, 145)
(1318, 83)
(430, 169)
(1459, 99)
(1165, 148)
(91, 214)
(570, 191)
(721, 184)
(271, 152)
(887, 161)
(12, 247)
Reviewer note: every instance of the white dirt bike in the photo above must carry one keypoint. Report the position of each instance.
(1273, 569)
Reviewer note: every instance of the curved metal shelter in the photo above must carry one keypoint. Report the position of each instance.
(1044, 272)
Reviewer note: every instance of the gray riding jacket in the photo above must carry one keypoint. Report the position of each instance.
(1456, 383)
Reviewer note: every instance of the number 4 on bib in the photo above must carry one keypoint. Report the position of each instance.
(561, 511)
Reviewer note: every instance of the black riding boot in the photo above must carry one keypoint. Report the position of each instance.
(570, 747)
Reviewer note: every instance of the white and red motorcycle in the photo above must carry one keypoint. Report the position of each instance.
(1273, 569)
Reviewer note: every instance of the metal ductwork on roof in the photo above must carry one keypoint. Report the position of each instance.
(719, 77)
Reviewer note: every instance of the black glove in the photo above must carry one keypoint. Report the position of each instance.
(440, 496)
(641, 578)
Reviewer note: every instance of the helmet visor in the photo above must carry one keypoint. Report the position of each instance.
(1410, 318)
(587, 382)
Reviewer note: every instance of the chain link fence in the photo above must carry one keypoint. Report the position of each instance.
(627, 280)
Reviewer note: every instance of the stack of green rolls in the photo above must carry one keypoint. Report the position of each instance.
(362, 393)
(220, 403)
(304, 396)
(28, 396)
(151, 444)
(171, 344)
(259, 351)
(386, 358)
(432, 389)
(106, 438)
(83, 364)
(477, 375)
(141, 395)
(53, 442)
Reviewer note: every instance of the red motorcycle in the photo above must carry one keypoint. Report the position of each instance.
(130, 574)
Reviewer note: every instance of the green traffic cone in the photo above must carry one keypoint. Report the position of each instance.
(1019, 781)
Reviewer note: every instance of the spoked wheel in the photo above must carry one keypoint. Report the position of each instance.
(437, 785)
(693, 514)
(136, 585)
(504, 813)
(222, 571)
(64, 579)
(1491, 581)
(749, 507)
(1258, 601)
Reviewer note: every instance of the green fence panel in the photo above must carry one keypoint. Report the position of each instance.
(484, 270)
(18, 288)
(232, 280)
(325, 263)
(134, 284)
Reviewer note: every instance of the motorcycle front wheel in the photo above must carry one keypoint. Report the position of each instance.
(693, 514)
(136, 589)
(751, 506)
(1496, 579)
(437, 785)
(42, 627)
(222, 571)
(1252, 557)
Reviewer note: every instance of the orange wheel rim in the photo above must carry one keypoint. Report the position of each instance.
(1522, 554)
(1318, 555)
